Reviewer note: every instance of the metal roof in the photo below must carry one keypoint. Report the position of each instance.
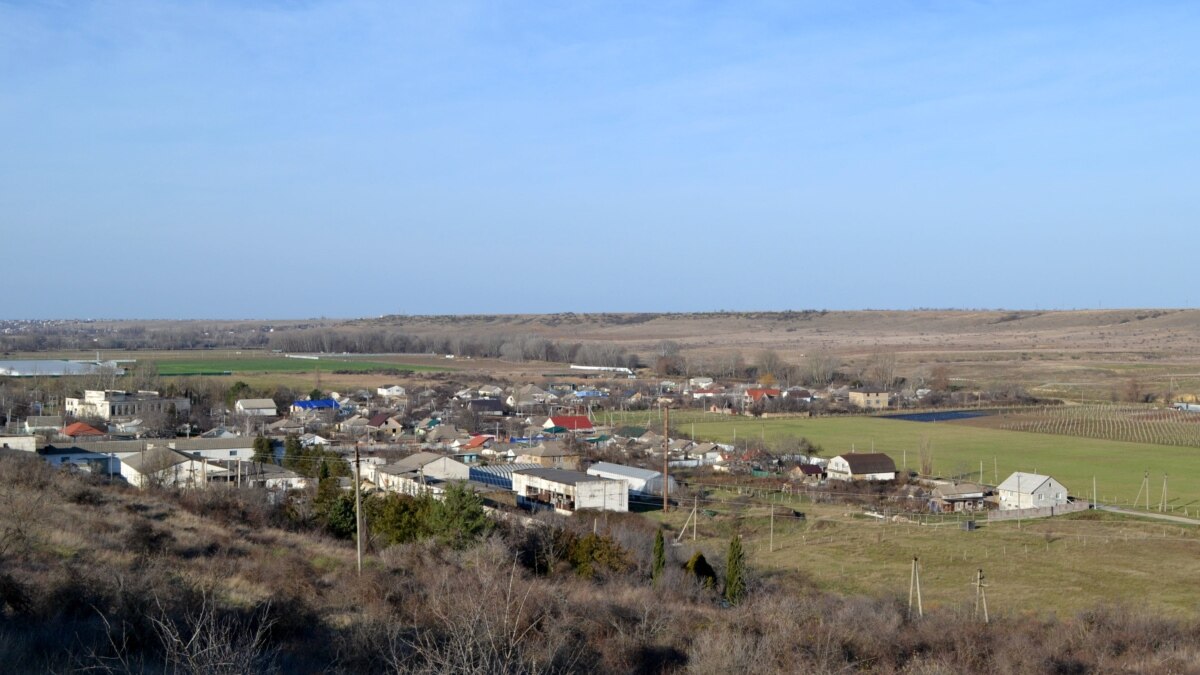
(623, 471)
(561, 476)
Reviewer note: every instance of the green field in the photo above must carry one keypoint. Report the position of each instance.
(959, 449)
(220, 365)
(1059, 565)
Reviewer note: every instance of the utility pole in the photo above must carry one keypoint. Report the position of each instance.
(1162, 504)
(914, 585)
(772, 550)
(1094, 501)
(666, 456)
(980, 597)
(358, 509)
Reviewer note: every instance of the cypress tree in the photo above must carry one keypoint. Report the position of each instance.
(660, 556)
(735, 584)
(263, 452)
(291, 454)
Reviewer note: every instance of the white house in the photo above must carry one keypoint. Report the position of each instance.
(861, 466)
(1030, 491)
(256, 407)
(390, 391)
(491, 391)
(422, 473)
(568, 491)
(309, 440)
(166, 467)
(641, 481)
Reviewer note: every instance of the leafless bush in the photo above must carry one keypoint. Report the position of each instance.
(204, 641)
(486, 618)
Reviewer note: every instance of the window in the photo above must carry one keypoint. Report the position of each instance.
(233, 453)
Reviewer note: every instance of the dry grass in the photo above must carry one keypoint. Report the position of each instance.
(117, 580)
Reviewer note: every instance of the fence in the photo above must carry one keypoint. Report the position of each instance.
(1043, 512)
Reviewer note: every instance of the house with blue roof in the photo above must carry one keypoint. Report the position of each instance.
(317, 405)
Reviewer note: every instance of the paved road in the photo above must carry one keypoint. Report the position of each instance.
(1156, 516)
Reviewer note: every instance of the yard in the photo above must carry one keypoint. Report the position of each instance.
(1059, 565)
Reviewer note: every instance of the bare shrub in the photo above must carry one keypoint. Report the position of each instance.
(207, 641)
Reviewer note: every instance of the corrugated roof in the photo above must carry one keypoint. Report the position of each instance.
(623, 471)
(503, 469)
(562, 476)
(316, 405)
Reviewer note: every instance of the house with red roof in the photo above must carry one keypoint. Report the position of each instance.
(761, 395)
(579, 424)
(79, 429)
(477, 442)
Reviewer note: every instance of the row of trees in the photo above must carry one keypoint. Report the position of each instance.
(510, 347)
(819, 368)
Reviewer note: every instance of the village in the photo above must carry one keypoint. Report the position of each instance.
(522, 446)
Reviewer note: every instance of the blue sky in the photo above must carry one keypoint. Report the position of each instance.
(294, 159)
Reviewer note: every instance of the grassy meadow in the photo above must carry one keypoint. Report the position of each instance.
(958, 449)
(1061, 565)
(264, 364)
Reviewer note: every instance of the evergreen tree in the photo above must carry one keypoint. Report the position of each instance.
(339, 516)
(458, 517)
(264, 453)
(327, 487)
(698, 566)
(397, 519)
(291, 454)
(735, 584)
(660, 556)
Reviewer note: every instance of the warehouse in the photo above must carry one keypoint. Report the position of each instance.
(642, 482)
(569, 491)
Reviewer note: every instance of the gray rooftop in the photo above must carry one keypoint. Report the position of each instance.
(562, 476)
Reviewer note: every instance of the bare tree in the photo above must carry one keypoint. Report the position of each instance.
(925, 452)
(770, 363)
(820, 368)
(881, 369)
